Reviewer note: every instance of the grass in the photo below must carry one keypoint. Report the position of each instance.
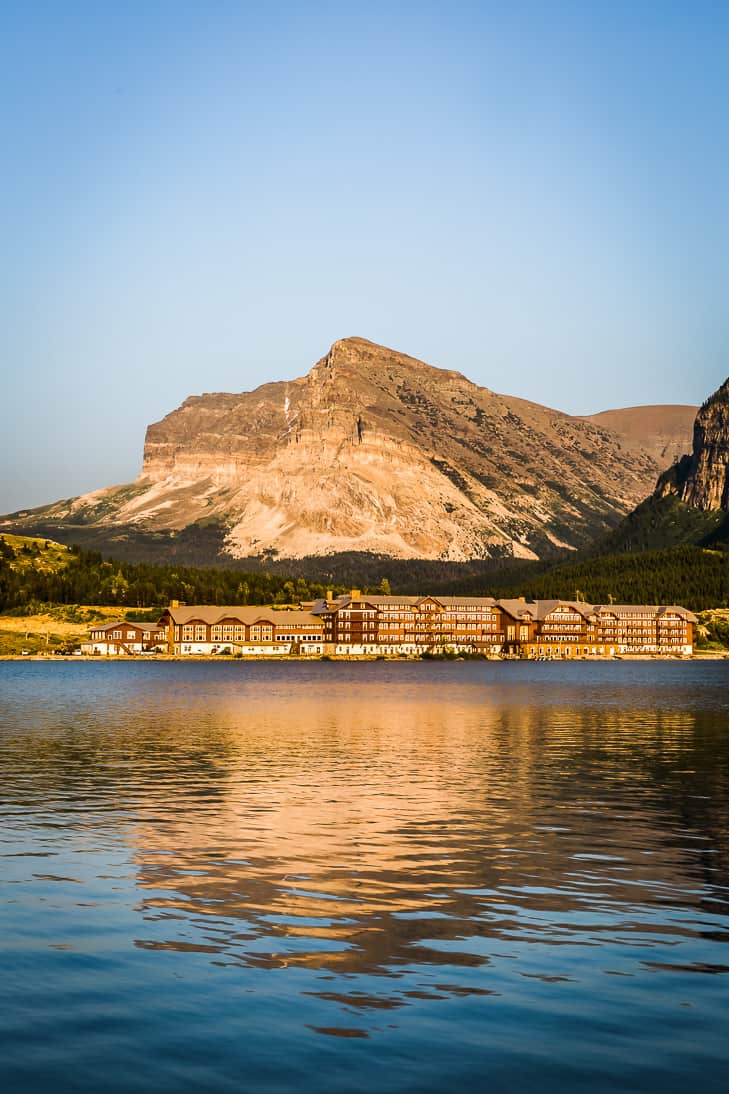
(712, 633)
(47, 559)
(62, 627)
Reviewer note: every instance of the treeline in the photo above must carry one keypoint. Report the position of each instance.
(87, 578)
(202, 546)
(694, 577)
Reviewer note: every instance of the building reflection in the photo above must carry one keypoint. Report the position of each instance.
(369, 833)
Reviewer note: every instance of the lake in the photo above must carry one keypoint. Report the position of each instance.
(336, 877)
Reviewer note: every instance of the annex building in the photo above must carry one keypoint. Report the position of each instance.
(251, 631)
(113, 639)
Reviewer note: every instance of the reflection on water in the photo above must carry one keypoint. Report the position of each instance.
(512, 872)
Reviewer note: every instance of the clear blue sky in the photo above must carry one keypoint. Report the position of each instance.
(203, 196)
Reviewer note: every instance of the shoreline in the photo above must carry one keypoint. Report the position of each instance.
(348, 658)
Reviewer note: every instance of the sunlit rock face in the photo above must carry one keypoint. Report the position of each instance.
(376, 451)
(702, 479)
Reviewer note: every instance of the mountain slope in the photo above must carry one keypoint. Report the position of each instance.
(373, 451)
(690, 504)
(662, 431)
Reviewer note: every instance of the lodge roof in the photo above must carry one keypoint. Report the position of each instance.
(515, 607)
(643, 609)
(212, 615)
(381, 601)
(124, 623)
(540, 609)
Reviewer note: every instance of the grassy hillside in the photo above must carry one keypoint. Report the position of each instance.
(713, 630)
(59, 629)
(34, 552)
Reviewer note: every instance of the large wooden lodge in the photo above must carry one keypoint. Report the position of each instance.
(371, 625)
(521, 628)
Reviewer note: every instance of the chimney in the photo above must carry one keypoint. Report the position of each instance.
(355, 594)
(330, 596)
(522, 600)
(174, 603)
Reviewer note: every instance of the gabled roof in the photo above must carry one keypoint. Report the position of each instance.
(463, 601)
(321, 606)
(642, 609)
(675, 608)
(250, 614)
(579, 606)
(517, 608)
(124, 623)
(540, 609)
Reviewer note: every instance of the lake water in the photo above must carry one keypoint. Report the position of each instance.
(364, 877)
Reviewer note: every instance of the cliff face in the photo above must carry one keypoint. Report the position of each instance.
(701, 480)
(375, 451)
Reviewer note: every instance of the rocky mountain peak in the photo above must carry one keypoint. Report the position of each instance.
(376, 451)
(701, 480)
(378, 364)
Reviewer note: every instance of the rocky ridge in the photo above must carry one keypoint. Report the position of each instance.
(701, 479)
(375, 451)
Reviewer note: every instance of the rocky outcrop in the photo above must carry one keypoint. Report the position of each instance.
(376, 451)
(701, 480)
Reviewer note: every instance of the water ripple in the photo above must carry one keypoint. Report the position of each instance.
(243, 863)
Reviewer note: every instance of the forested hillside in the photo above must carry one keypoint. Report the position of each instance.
(694, 577)
(34, 573)
(37, 572)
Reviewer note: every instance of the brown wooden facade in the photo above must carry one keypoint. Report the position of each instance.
(392, 624)
(119, 638)
(367, 624)
(201, 629)
(364, 625)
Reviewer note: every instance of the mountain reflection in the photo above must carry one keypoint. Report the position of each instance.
(376, 831)
(448, 870)
(385, 834)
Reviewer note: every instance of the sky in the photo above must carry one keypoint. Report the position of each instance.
(203, 196)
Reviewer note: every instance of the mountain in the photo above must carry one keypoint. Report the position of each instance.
(701, 480)
(374, 451)
(662, 431)
(690, 504)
